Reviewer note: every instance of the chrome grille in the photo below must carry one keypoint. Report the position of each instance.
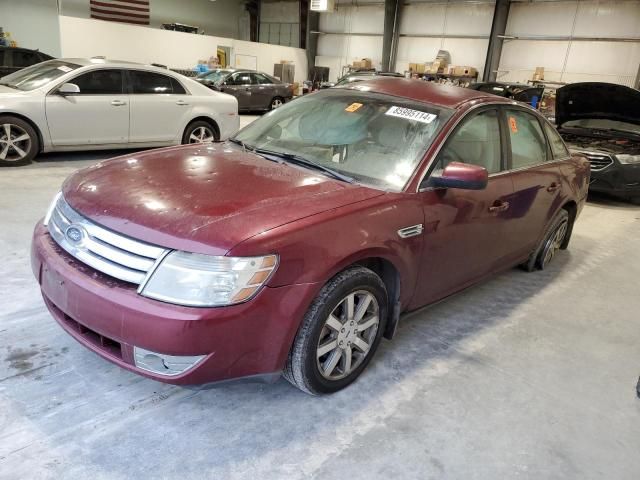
(598, 161)
(108, 252)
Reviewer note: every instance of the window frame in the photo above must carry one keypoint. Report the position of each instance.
(530, 111)
(129, 82)
(547, 125)
(87, 72)
(240, 84)
(256, 76)
(504, 161)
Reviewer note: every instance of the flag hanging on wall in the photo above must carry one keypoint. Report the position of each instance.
(126, 11)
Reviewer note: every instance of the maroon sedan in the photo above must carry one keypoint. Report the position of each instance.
(296, 246)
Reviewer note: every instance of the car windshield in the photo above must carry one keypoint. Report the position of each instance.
(38, 75)
(603, 124)
(217, 76)
(374, 139)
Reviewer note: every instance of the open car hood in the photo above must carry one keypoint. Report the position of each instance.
(596, 100)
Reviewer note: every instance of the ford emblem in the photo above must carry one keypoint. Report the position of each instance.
(75, 233)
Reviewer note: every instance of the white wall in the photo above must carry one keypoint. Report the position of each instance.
(32, 23)
(225, 18)
(473, 19)
(335, 51)
(82, 37)
(566, 61)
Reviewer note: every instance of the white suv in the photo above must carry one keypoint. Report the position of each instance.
(91, 104)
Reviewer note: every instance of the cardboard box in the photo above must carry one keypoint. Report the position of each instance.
(364, 63)
(438, 66)
(462, 71)
(538, 75)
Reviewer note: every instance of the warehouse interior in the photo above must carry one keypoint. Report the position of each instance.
(524, 374)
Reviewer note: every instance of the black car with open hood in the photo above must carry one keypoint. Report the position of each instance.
(602, 122)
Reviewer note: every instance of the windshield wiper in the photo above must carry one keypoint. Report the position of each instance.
(298, 160)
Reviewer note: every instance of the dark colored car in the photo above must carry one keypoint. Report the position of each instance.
(531, 95)
(254, 90)
(13, 59)
(360, 76)
(602, 122)
(296, 246)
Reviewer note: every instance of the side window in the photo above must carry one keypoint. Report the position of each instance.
(239, 79)
(528, 145)
(100, 82)
(260, 79)
(476, 141)
(147, 83)
(178, 89)
(558, 147)
(23, 58)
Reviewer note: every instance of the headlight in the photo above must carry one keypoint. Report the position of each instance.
(628, 159)
(51, 208)
(196, 280)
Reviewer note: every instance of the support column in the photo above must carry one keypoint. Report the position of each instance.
(392, 9)
(311, 39)
(498, 27)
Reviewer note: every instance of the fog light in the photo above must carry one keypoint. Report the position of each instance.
(161, 364)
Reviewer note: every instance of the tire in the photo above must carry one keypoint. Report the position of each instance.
(555, 239)
(19, 143)
(310, 369)
(276, 102)
(200, 131)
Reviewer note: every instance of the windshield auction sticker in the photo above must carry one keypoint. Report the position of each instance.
(353, 107)
(410, 114)
(64, 68)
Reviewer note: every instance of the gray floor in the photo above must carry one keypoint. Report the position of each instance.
(526, 376)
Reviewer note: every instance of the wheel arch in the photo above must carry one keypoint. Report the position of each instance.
(572, 209)
(33, 124)
(207, 119)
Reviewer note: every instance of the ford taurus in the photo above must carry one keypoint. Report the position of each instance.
(296, 246)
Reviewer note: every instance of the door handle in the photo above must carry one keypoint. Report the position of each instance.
(118, 103)
(181, 103)
(554, 187)
(499, 206)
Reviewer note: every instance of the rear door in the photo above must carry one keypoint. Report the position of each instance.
(467, 232)
(262, 91)
(537, 178)
(160, 107)
(239, 85)
(98, 115)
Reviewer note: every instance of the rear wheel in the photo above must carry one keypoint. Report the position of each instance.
(276, 103)
(200, 132)
(554, 240)
(339, 334)
(18, 142)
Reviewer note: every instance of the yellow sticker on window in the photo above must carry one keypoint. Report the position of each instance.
(353, 107)
(513, 124)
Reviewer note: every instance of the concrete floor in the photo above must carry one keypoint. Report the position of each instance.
(525, 376)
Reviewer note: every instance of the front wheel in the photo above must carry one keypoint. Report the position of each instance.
(339, 334)
(18, 142)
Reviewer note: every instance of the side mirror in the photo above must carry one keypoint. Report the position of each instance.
(461, 175)
(68, 89)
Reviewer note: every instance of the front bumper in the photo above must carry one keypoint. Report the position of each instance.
(110, 318)
(617, 179)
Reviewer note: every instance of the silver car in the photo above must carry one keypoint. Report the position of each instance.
(91, 104)
(254, 90)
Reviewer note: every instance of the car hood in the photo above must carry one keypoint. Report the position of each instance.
(203, 199)
(596, 100)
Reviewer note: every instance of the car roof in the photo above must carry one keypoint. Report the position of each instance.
(101, 61)
(447, 96)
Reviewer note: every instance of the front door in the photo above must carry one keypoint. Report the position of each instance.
(239, 85)
(160, 108)
(262, 92)
(98, 115)
(466, 232)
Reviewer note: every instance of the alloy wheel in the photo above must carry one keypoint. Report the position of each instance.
(347, 335)
(15, 143)
(554, 243)
(275, 103)
(201, 135)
